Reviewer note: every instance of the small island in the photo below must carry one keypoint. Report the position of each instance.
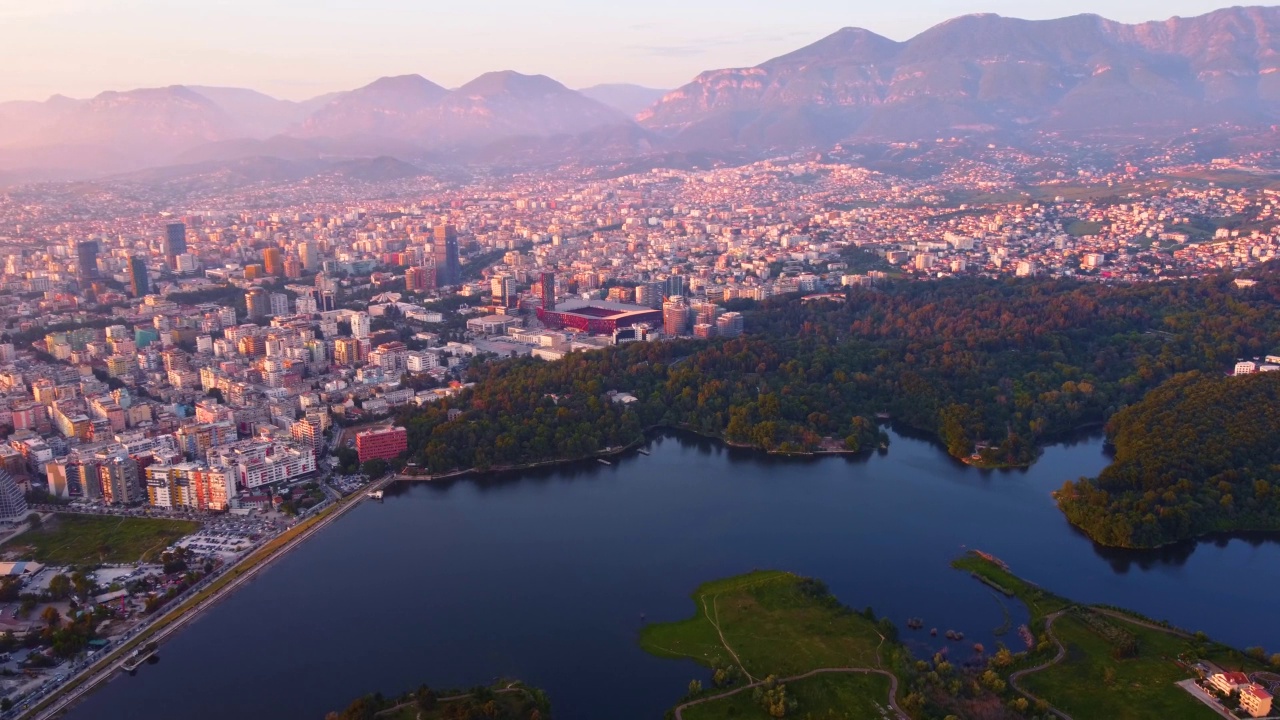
(781, 646)
(1196, 456)
(504, 700)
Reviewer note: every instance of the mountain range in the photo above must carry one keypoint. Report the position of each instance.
(1078, 78)
(1081, 75)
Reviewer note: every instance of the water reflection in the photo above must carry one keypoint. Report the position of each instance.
(543, 574)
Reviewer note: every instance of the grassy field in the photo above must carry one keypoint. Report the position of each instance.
(1090, 683)
(842, 697)
(1081, 228)
(778, 624)
(91, 539)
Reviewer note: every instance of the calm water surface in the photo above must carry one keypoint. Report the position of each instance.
(544, 576)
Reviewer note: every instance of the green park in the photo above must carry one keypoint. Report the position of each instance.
(67, 539)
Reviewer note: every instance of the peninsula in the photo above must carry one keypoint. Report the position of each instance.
(779, 646)
(1195, 456)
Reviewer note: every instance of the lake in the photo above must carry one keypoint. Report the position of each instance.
(547, 576)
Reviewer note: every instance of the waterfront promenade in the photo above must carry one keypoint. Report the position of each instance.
(199, 598)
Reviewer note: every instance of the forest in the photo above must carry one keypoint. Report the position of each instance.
(992, 368)
(1199, 454)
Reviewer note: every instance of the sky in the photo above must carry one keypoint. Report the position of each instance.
(298, 49)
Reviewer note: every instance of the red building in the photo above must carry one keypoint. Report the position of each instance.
(598, 317)
(382, 443)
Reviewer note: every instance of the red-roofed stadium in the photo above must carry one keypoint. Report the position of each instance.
(598, 317)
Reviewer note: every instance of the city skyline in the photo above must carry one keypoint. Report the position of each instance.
(279, 49)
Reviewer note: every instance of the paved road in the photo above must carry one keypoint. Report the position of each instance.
(1062, 654)
(97, 674)
(1199, 694)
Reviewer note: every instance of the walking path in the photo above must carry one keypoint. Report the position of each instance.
(1062, 654)
(893, 688)
(893, 679)
(1142, 623)
(715, 622)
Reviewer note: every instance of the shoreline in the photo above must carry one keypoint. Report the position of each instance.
(616, 451)
(172, 621)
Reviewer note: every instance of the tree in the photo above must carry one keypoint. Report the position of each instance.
(34, 520)
(377, 467)
(51, 616)
(426, 699)
(81, 583)
(59, 586)
(695, 687)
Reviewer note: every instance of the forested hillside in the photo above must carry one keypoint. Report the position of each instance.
(1199, 454)
(1003, 365)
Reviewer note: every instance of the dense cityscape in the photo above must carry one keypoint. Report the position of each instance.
(202, 366)
(205, 360)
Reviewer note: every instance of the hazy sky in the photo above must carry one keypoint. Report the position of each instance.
(301, 48)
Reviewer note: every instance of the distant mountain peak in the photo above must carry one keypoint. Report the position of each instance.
(510, 82)
(403, 83)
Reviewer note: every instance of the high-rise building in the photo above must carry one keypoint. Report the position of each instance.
(444, 249)
(13, 506)
(309, 434)
(420, 279)
(292, 267)
(675, 316)
(503, 289)
(547, 284)
(139, 280)
(729, 325)
(257, 303)
(273, 262)
(120, 481)
(675, 286)
(87, 259)
(382, 443)
(279, 305)
(175, 243)
(189, 485)
(309, 255)
(305, 304)
(360, 326)
(346, 351)
(650, 295)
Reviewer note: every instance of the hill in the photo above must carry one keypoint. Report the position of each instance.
(1199, 454)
